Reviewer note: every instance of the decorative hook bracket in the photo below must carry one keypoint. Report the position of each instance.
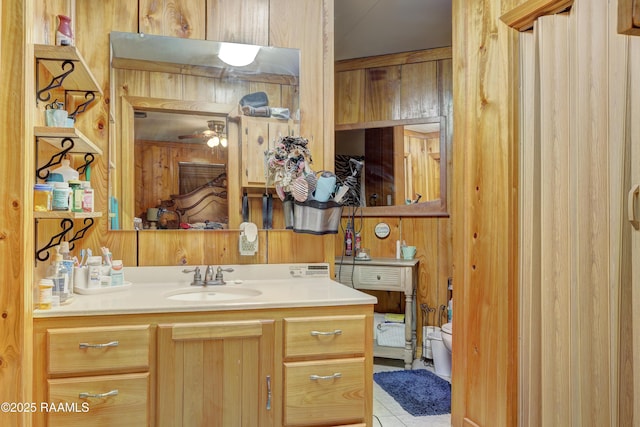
(88, 159)
(56, 81)
(81, 108)
(56, 159)
(43, 254)
(67, 225)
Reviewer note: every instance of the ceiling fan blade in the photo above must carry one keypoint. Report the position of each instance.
(192, 136)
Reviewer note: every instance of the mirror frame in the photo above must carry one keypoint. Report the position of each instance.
(432, 208)
(126, 166)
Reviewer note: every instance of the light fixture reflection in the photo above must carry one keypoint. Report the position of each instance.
(238, 55)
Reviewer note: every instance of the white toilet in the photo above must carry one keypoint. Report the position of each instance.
(446, 336)
(441, 354)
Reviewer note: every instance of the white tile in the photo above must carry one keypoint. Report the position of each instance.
(388, 422)
(430, 421)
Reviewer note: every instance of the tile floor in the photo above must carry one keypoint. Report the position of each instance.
(388, 413)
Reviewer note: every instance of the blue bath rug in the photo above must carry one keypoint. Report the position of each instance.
(419, 392)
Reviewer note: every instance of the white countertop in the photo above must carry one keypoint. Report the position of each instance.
(150, 286)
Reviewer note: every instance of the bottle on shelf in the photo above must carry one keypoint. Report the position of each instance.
(87, 197)
(64, 35)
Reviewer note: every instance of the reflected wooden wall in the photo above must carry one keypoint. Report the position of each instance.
(395, 87)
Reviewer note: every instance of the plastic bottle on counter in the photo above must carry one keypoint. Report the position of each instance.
(348, 240)
(61, 277)
(94, 265)
(45, 294)
(117, 274)
(358, 244)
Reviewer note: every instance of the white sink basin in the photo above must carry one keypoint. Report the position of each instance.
(211, 293)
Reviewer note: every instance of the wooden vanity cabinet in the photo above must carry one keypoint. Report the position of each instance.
(223, 368)
(216, 373)
(96, 372)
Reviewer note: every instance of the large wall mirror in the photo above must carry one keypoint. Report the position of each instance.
(403, 166)
(174, 149)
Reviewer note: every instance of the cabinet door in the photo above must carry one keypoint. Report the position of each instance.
(255, 142)
(258, 136)
(215, 373)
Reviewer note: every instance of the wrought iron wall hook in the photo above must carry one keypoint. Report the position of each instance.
(56, 81)
(88, 222)
(88, 159)
(43, 254)
(56, 159)
(81, 108)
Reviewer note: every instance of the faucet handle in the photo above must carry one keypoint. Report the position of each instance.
(197, 278)
(219, 271)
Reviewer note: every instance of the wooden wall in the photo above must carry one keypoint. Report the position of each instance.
(388, 89)
(23, 23)
(257, 21)
(16, 205)
(485, 215)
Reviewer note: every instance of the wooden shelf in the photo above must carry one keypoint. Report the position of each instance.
(52, 57)
(55, 135)
(66, 214)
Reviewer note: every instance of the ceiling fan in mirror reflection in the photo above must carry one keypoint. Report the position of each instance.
(214, 135)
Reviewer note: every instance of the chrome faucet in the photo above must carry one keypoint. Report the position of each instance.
(209, 279)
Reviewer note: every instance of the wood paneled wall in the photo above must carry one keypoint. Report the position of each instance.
(485, 215)
(388, 89)
(16, 205)
(271, 23)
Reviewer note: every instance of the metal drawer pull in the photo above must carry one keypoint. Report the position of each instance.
(325, 377)
(109, 344)
(99, 395)
(336, 332)
(268, 392)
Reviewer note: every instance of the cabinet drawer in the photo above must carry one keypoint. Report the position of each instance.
(98, 350)
(383, 278)
(324, 336)
(324, 392)
(113, 400)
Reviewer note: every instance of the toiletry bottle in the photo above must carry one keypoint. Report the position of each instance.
(87, 198)
(358, 244)
(117, 275)
(348, 240)
(64, 35)
(69, 265)
(45, 294)
(60, 276)
(94, 265)
(77, 192)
